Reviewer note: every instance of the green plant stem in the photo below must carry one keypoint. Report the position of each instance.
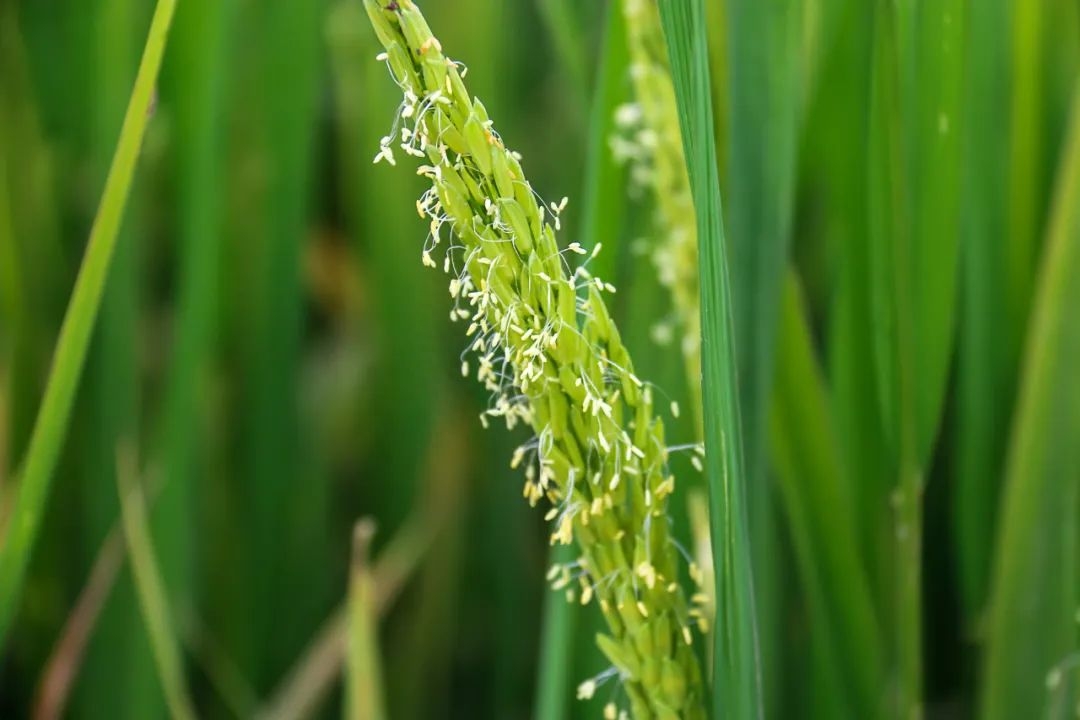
(50, 428)
(892, 253)
(908, 508)
(363, 677)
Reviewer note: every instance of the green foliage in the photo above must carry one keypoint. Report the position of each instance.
(985, 355)
(915, 126)
(553, 360)
(36, 475)
(890, 407)
(1032, 626)
(821, 518)
(153, 596)
(765, 95)
(363, 677)
(737, 671)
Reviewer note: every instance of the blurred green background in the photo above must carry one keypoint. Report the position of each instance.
(273, 348)
(270, 341)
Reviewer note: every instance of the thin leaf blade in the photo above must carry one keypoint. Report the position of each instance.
(50, 428)
(1032, 624)
(736, 664)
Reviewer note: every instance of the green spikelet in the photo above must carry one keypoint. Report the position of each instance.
(546, 348)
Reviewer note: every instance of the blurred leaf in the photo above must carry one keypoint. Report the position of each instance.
(107, 408)
(363, 678)
(51, 426)
(888, 203)
(915, 131)
(11, 300)
(32, 268)
(834, 161)
(985, 380)
(193, 88)
(153, 601)
(1026, 187)
(890, 257)
(765, 87)
(935, 118)
(403, 292)
(822, 519)
(914, 201)
(220, 670)
(67, 657)
(1032, 621)
(1029, 43)
(11, 296)
(305, 686)
(280, 498)
(604, 197)
(736, 674)
(559, 629)
(566, 32)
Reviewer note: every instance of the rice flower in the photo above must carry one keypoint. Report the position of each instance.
(540, 339)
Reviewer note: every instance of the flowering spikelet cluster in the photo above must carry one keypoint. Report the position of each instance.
(547, 350)
(650, 141)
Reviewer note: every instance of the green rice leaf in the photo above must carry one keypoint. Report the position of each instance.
(765, 48)
(935, 116)
(1032, 622)
(736, 670)
(765, 90)
(916, 131)
(985, 377)
(914, 214)
(821, 518)
(283, 496)
(35, 479)
(1026, 187)
(107, 408)
(193, 89)
(890, 257)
